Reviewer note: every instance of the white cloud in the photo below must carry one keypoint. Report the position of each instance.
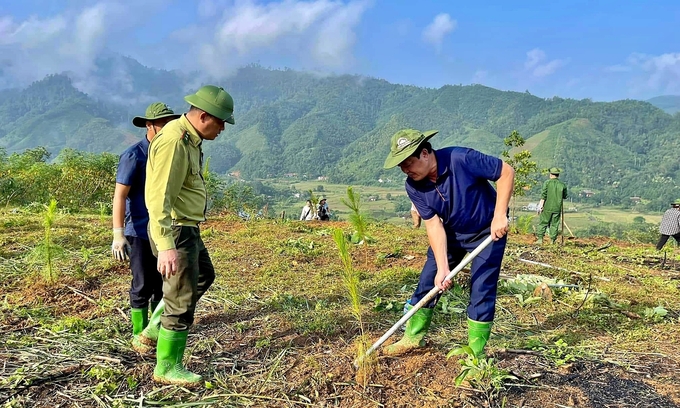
(659, 72)
(435, 32)
(534, 57)
(318, 32)
(69, 41)
(537, 65)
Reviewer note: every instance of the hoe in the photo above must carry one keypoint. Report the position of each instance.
(434, 292)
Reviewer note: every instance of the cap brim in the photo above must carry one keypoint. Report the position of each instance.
(140, 121)
(393, 160)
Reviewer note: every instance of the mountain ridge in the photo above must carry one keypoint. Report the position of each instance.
(339, 126)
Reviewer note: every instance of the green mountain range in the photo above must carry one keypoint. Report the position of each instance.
(669, 103)
(339, 126)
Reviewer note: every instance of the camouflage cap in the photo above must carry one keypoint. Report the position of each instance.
(404, 143)
(155, 111)
(554, 170)
(215, 101)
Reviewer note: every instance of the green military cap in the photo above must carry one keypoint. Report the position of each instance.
(676, 202)
(155, 111)
(404, 143)
(215, 101)
(554, 170)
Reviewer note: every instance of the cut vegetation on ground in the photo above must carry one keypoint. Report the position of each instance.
(591, 324)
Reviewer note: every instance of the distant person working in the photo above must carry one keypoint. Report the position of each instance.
(553, 194)
(670, 225)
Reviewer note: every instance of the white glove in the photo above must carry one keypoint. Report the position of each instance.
(120, 247)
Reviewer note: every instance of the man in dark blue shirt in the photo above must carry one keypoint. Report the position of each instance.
(130, 219)
(450, 189)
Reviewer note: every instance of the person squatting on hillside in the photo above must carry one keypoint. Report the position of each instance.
(130, 220)
(553, 193)
(451, 191)
(177, 201)
(307, 213)
(670, 225)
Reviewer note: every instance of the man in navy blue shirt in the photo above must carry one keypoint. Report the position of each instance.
(451, 190)
(130, 219)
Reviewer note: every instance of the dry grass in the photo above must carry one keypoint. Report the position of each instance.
(276, 329)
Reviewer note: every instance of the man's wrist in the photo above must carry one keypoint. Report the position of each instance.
(164, 243)
(118, 232)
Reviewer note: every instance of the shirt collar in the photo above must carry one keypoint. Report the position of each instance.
(193, 134)
(144, 143)
(442, 164)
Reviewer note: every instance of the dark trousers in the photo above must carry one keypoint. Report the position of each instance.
(663, 238)
(483, 273)
(147, 283)
(195, 274)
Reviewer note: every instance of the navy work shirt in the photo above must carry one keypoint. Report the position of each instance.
(132, 172)
(462, 196)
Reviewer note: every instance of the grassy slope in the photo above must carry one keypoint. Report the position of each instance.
(275, 329)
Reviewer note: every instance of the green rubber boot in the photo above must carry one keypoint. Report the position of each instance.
(140, 319)
(149, 336)
(416, 329)
(478, 335)
(169, 354)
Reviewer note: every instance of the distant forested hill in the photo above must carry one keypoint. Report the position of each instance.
(339, 126)
(669, 103)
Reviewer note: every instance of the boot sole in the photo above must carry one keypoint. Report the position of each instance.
(165, 381)
(146, 340)
(142, 348)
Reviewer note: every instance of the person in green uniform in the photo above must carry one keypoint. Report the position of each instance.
(176, 199)
(550, 207)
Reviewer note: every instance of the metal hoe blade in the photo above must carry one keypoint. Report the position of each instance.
(430, 295)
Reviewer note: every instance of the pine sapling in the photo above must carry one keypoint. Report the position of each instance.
(350, 278)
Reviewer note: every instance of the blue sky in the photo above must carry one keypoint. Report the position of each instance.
(603, 50)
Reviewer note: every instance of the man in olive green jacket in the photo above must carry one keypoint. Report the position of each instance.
(176, 198)
(550, 207)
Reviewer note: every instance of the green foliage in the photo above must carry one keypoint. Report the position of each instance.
(639, 232)
(77, 180)
(655, 314)
(350, 278)
(313, 198)
(480, 372)
(559, 353)
(47, 252)
(525, 168)
(356, 218)
(340, 126)
(523, 224)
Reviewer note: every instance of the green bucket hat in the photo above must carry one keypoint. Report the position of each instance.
(155, 111)
(404, 143)
(676, 202)
(554, 170)
(215, 101)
